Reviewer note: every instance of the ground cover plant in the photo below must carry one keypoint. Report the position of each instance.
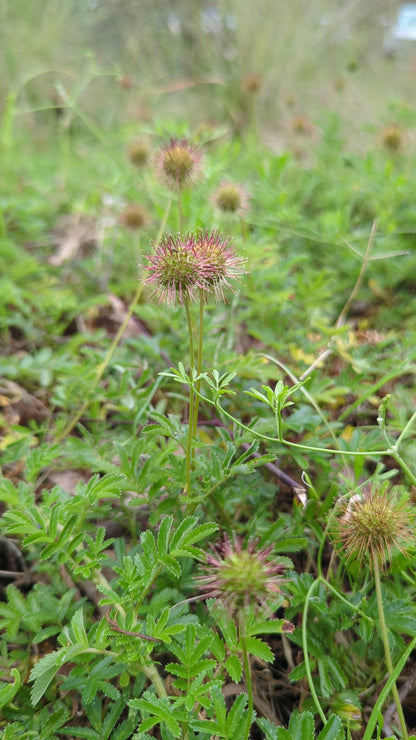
(207, 418)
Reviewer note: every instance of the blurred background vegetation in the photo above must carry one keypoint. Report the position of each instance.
(209, 62)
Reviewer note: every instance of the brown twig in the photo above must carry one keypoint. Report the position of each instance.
(293, 484)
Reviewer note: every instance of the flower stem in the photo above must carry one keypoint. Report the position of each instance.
(387, 654)
(243, 229)
(306, 653)
(180, 212)
(101, 368)
(378, 706)
(398, 458)
(320, 579)
(191, 404)
(198, 365)
(164, 220)
(406, 429)
(151, 672)
(295, 445)
(247, 679)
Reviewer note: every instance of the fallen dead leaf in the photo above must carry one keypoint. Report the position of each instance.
(18, 406)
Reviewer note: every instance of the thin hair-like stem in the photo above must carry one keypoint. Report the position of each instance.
(191, 403)
(387, 654)
(247, 678)
(180, 211)
(101, 368)
(198, 365)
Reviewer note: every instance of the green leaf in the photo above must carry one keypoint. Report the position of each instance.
(9, 494)
(265, 627)
(259, 648)
(160, 629)
(234, 668)
(218, 648)
(226, 625)
(46, 633)
(54, 722)
(12, 613)
(271, 732)
(164, 535)
(301, 725)
(235, 717)
(160, 709)
(281, 734)
(150, 553)
(218, 703)
(54, 520)
(207, 725)
(78, 628)
(324, 678)
(199, 692)
(86, 732)
(333, 729)
(300, 671)
(171, 565)
(339, 678)
(109, 485)
(268, 728)
(44, 672)
(400, 616)
(185, 546)
(9, 690)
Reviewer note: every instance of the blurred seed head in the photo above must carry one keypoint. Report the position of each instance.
(252, 83)
(138, 153)
(231, 198)
(134, 217)
(126, 82)
(392, 138)
(178, 163)
(302, 125)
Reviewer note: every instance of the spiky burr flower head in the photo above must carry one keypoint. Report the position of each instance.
(231, 198)
(177, 269)
(191, 267)
(221, 262)
(240, 576)
(178, 163)
(375, 524)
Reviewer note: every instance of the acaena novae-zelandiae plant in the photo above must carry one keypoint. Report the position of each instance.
(186, 269)
(243, 583)
(178, 163)
(373, 526)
